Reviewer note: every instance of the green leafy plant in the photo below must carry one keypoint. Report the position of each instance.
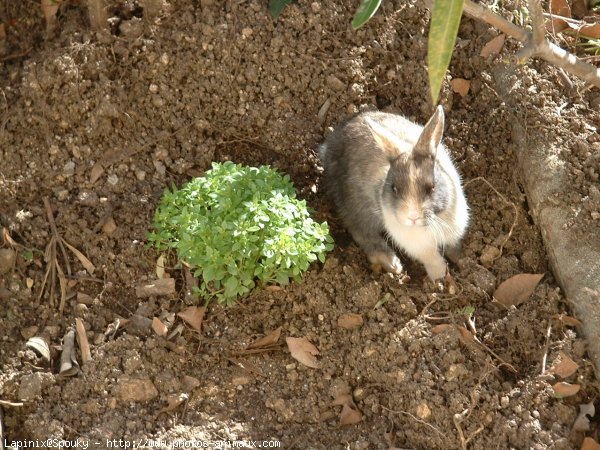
(276, 7)
(239, 227)
(365, 11)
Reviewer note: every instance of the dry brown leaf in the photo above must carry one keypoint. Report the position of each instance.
(517, 289)
(466, 337)
(567, 320)
(189, 382)
(460, 86)
(268, 340)
(566, 367)
(163, 286)
(49, 10)
(350, 415)
(562, 389)
(84, 298)
(440, 328)
(160, 266)
(96, 172)
(86, 263)
(173, 401)
(559, 8)
(159, 327)
(84, 345)
(349, 320)
(303, 351)
(493, 47)
(591, 30)
(193, 316)
(589, 444)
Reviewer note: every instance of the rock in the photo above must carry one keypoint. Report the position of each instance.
(32, 385)
(483, 279)
(135, 389)
(8, 258)
(335, 83)
(488, 256)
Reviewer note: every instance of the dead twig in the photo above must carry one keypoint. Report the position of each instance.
(416, 419)
(54, 269)
(536, 44)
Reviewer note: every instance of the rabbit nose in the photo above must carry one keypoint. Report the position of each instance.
(413, 216)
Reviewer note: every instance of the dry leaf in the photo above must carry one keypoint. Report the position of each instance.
(49, 10)
(86, 263)
(84, 345)
(160, 266)
(586, 412)
(96, 172)
(189, 382)
(591, 30)
(268, 340)
(350, 415)
(559, 8)
(590, 444)
(562, 389)
(460, 86)
(193, 316)
(163, 286)
(159, 327)
(440, 328)
(466, 337)
(493, 47)
(303, 351)
(517, 289)
(566, 367)
(579, 8)
(349, 320)
(173, 401)
(567, 320)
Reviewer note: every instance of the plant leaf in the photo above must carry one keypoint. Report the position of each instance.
(277, 6)
(268, 340)
(193, 316)
(443, 29)
(365, 11)
(517, 289)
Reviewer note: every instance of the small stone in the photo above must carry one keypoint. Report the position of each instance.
(504, 401)
(8, 258)
(315, 7)
(423, 411)
(62, 195)
(31, 385)
(160, 167)
(488, 256)
(135, 390)
(240, 380)
(29, 332)
(247, 32)
(88, 198)
(112, 179)
(69, 169)
(153, 88)
(335, 83)
(483, 279)
(456, 372)
(140, 175)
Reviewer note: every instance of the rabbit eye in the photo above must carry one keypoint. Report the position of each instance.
(394, 189)
(430, 189)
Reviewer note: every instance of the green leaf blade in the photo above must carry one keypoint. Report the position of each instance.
(276, 7)
(365, 11)
(443, 29)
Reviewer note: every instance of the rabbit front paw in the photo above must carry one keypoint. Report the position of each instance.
(436, 269)
(387, 261)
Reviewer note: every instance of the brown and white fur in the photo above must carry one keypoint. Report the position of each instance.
(393, 179)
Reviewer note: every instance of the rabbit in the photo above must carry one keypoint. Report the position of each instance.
(393, 180)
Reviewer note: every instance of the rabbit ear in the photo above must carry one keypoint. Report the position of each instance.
(384, 137)
(431, 135)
